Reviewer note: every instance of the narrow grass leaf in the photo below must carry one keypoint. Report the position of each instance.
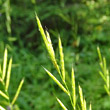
(4, 95)
(18, 91)
(4, 64)
(8, 74)
(61, 104)
(58, 83)
(62, 59)
(73, 88)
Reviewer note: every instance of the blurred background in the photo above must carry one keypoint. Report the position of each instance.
(82, 25)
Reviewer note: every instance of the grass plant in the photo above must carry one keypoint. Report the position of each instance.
(5, 74)
(104, 72)
(61, 70)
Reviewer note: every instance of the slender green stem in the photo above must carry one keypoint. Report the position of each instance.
(69, 93)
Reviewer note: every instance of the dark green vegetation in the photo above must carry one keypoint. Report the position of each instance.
(82, 24)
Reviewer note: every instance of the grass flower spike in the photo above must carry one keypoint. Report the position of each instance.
(48, 44)
(104, 73)
(64, 86)
(5, 81)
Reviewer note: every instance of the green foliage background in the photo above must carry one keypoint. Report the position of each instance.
(82, 24)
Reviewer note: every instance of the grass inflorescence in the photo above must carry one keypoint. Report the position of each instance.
(61, 70)
(104, 72)
(5, 75)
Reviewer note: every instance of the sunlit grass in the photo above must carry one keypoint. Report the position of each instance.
(5, 81)
(104, 72)
(61, 70)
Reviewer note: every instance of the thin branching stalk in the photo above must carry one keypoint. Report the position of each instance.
(5, 81)
(104, 73)
(65, 88)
